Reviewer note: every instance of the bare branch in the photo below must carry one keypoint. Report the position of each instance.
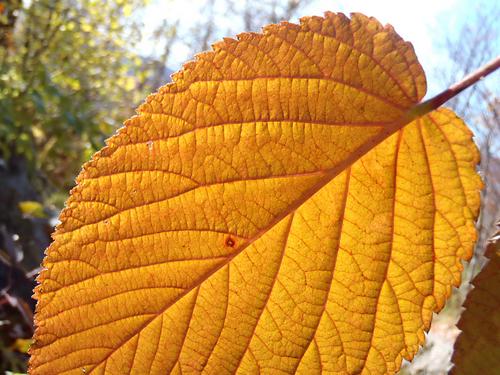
(455, 89)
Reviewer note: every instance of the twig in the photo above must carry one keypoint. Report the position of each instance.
(435, 102)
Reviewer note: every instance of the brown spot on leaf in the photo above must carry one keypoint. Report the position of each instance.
(230, 242)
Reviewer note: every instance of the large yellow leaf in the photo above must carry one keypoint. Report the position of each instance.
(231, 227)
(477, 350)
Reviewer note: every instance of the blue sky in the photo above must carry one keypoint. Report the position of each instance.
(425, 23)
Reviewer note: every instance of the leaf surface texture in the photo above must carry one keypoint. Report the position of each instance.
(262, 214)
(477, 349)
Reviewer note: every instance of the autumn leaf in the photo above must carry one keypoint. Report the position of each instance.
(477, 350)
(264, 213)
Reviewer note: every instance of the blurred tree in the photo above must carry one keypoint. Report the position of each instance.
(256, 14)
(245, 16)
(67, 79)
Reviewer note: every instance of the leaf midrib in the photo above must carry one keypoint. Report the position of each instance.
(329, 175)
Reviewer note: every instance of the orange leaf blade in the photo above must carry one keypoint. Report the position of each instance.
(258, 214)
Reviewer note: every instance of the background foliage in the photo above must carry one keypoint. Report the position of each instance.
(72, 70)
